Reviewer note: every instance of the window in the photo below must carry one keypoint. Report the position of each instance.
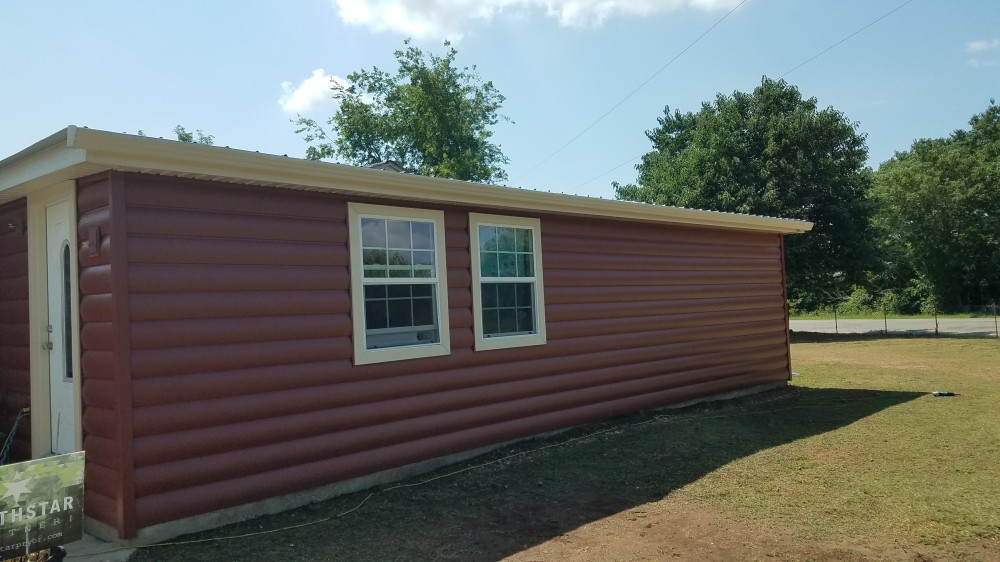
(67, 320)
(398, 283)
(507, 293)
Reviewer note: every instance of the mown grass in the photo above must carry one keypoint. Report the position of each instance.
(856, 451)
(921, 472)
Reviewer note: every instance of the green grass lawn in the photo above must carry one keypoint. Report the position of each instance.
(853, 461)
(925, 471)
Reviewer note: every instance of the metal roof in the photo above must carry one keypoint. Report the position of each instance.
(76, 152)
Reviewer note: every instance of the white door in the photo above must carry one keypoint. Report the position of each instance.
(60, 327)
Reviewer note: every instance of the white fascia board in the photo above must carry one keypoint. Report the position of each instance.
(157, 156)
(39, 165)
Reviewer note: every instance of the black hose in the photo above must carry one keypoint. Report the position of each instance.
(5, 452)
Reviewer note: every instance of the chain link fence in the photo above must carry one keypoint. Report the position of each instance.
(970, 320)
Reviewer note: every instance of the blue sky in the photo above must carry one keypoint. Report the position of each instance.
(241, 70)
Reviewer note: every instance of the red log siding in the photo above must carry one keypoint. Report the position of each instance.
(240, 357)
(15, 374)
(102, 441)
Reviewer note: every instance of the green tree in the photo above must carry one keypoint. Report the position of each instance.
(197, 137)
(940, 204)
(770, 152)
(431, 117)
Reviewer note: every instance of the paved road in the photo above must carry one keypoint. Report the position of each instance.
(976, 326)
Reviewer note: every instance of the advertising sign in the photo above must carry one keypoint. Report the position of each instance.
(41, 505)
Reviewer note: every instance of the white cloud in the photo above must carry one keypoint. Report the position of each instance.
(314, 92)
(980, 63)
(423, 19)
(980, 46)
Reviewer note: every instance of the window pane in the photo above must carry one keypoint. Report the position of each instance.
(491, 322)
(374, 257)
(508, 320)
(399, 291)
(505, 295)
(523, 294)
(488, 238)
(423, 257)
(505, 239)
(508, 265)
(400, 313)
(399, 234)
(67, 314)
(373, 233)
(489, 294)
(489, 264)
(374, 262)
(508, 308)
(525, 320)
(525, 265)
(399, 263)
(423, 312)
(423, 235)
(524, 240)
(400, 257)
(423, 264)
(375, 315)
(374, 291)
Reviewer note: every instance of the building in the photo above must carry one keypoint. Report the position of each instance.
(220, 329)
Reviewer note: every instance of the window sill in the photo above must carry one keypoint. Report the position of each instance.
(507, 342)
(401, 353)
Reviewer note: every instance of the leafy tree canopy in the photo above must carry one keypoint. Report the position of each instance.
(939, 205)
(431, 117)
(197, 137)
(770, 152)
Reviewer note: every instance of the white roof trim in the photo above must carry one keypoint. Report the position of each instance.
(77, 152)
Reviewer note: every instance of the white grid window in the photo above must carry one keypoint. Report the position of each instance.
(508, 298)
(397, 273)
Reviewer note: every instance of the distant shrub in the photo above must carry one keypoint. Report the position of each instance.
(859, 302)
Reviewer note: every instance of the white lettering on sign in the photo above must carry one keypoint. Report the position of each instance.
(35, 510)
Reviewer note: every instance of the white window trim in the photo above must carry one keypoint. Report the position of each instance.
(362, 355)
(483, 343)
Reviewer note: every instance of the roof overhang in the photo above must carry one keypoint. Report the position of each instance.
(77, 152)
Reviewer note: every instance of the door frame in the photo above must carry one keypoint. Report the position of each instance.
(38, 305)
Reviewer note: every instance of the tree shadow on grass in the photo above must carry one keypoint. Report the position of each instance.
(525, 494)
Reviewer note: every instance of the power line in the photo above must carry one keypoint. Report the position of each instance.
(831, 47)
(630, 94)
(798, 66)
(602, 174)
